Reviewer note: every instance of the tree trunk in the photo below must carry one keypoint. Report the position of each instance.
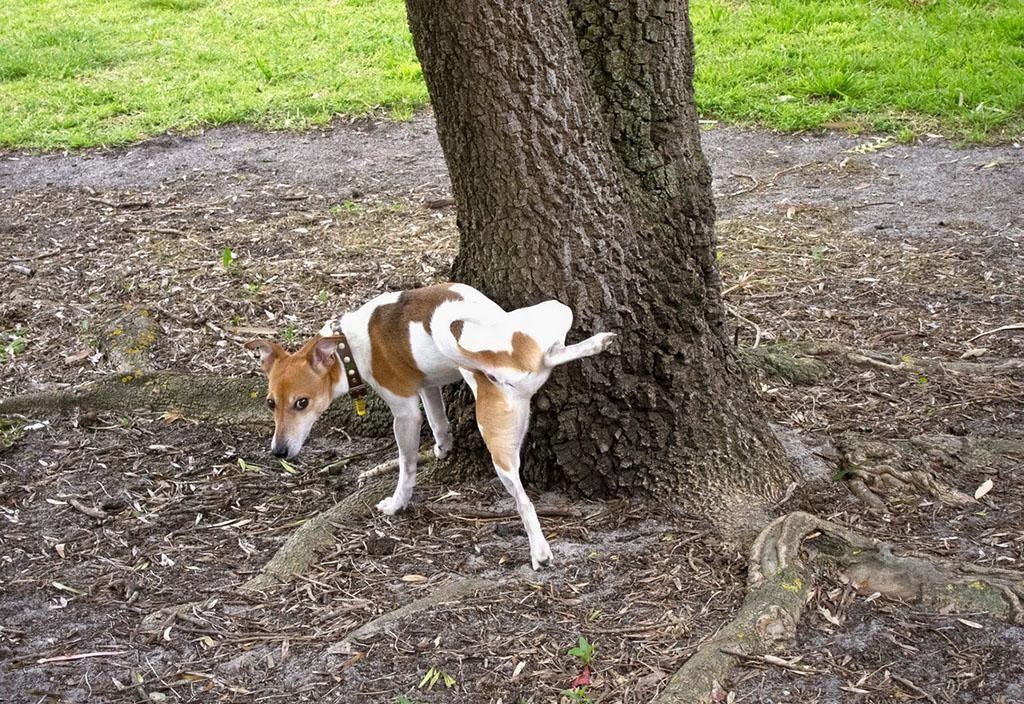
(570, 132)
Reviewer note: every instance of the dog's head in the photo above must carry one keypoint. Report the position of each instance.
(300, 388)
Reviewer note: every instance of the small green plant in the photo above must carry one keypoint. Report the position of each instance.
(402, 699)
(289, 334)
(841, 474)
(228, 259)
(432, 677)
(323, 296)
(10, 433)
(833, 84)
(253, 288)
(12, 343)
(906, 136)
(584, 651)
(264, 68)
(346, 206)
(577, 695)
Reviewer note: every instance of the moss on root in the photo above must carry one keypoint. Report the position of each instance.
(783, 360)
(223, 400)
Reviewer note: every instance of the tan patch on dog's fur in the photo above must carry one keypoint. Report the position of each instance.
(497, 421)
(391, 359)
(525, 356)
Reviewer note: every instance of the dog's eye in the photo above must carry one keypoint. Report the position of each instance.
(271, 404)
(302, 403)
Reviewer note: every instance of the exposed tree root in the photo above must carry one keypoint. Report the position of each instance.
(450, 591)
(801, 363)
(875, 468)
(892, 362)
(783, 360)
(223, 400)
(781, 578)
(300, 549)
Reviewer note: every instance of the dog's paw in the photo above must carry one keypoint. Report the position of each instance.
(541, 556)
(441, 450)
(390, 506)
(604, 340)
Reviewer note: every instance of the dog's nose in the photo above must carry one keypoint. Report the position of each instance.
(279, 451)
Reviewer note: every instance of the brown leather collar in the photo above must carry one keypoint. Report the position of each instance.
(356, 385)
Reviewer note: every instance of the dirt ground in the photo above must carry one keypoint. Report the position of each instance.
(168, 254)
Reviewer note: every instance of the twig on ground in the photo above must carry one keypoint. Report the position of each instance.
(21, 269)
(993, 331)
(748, 321)
(81, 656)
(40, 255)
(753, 187)
(790, 665)
(87, 510)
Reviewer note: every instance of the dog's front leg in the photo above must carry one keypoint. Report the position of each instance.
(408, 420)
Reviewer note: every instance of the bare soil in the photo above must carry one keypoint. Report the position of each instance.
(908, 251)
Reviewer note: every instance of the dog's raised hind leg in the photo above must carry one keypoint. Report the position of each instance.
(560, 354)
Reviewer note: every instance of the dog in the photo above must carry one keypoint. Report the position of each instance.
(406, 346)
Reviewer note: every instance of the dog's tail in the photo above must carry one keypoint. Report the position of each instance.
(448, 324)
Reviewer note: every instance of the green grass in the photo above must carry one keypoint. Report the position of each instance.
(82, 72)
(77, 73)
(952, 66)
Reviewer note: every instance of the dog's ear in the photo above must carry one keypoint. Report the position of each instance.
(269, 351)
(322, 353)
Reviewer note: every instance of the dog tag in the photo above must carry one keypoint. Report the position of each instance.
(360, 405)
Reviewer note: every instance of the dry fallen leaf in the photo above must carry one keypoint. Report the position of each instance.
(80, 356)
(970, 624)
(983, 488)
(414, 578)
(829, 616)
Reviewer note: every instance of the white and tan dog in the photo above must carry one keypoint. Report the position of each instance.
(407, 346)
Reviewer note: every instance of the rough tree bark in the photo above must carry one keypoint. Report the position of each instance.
(571, 135)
